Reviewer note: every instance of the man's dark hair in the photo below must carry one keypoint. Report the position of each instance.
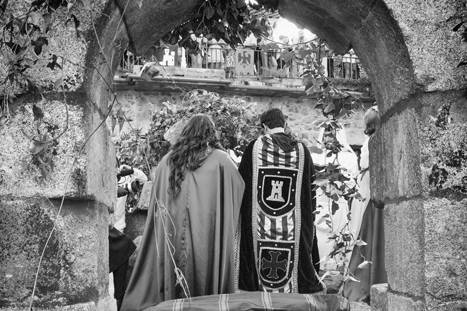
(273, 118)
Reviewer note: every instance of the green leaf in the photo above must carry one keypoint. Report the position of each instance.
(37, 147)
(334, 207)
(364, 264)
(3, 5)
(41, 41)
(15, 48)
(209, 12)
(329, 108)
(37, 112)
(349, 277)
(53, 63)
(360, 243)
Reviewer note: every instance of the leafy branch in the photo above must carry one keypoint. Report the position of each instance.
(230, 20)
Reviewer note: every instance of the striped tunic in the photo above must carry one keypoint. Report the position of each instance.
(276, 220)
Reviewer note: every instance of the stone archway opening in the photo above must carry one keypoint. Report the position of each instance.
(368, 28)
(375, 29)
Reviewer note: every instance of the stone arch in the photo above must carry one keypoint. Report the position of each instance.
(370, 29)
(378, 31)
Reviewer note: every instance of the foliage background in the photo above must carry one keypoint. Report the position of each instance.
(234, 118)
(444, 153)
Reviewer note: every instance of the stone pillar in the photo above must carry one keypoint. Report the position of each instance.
(74, 268)
(445, 208)
(435, 51)
(79, 166)
(396, 180)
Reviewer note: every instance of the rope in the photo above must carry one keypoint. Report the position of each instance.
(163, 212)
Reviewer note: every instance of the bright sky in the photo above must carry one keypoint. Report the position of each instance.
(284, 27)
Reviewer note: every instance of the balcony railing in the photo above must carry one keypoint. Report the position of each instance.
(246, 62)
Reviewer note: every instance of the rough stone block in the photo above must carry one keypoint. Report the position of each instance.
(104, 304)
(395, 158)
(26, 174)
(28, 169)
(380, 46)
(379, 297)
(445, 251)
(71, 50)
(435, 49)
(437, 143)
(431, 102)
(402, 303)
(74, 268)
(404, 247)
(359, 306)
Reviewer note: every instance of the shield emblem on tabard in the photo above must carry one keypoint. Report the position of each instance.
(276, 190)
(276, 260)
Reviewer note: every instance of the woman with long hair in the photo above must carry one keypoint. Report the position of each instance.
(187, 247)
(367, 223)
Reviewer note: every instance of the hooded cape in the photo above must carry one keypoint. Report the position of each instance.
(278, 247)
(198, 227)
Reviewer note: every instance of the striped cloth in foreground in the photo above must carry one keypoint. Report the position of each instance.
(257, 301)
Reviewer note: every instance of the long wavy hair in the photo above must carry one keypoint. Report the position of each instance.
(196, 142)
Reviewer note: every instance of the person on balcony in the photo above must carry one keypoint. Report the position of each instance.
(229, 62)
(187, 248)
(258, 57)
(215, 58)
(194, 58)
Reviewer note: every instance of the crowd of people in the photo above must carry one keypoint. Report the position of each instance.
(206, 52)
(215, 227)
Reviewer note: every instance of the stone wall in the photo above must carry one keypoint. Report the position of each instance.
(444, 207)
(303, 118)
(408, 49)
(74, 268)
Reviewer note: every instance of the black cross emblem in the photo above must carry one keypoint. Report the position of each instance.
(274, 264)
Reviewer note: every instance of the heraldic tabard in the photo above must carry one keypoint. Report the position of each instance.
(276, 214)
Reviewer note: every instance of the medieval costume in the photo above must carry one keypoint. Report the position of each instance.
(187, 247)
(368, 224)
(121, 247)
(278, 244)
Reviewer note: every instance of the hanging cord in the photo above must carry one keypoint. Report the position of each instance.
(163, 214)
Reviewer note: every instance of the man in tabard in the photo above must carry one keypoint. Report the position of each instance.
(278, 247)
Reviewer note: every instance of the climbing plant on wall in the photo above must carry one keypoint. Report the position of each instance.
(236, 124)
(445, 152)
(337, 183)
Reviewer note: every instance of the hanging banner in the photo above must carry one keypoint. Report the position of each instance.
(244, 62)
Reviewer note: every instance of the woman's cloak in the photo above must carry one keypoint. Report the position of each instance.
(198, 226)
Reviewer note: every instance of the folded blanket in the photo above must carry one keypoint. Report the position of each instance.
(256, 301)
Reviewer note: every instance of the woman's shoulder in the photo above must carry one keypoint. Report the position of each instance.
(165, 159)
(220, 154)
